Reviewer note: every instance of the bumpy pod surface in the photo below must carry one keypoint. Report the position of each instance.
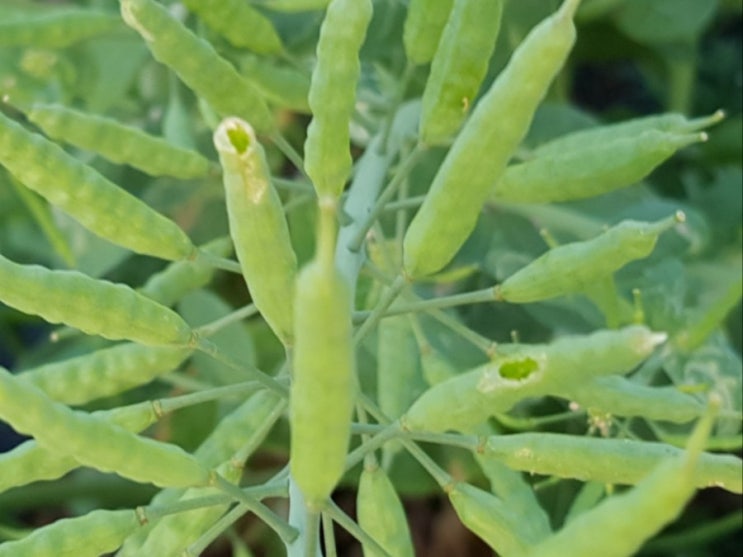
(424, 25)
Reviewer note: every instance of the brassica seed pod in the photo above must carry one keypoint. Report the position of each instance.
(424, 25)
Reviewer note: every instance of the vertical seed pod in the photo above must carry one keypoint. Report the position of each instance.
(197, 64)
(458, 68)
(424, 25)
(381, 514)
(594, 170)
(182, 277)
(628, 520)
(117, 142)
(96, 307)
(323, 382)
(29, 462)
(105, 372)
(582, 139)
(489, 519)
(96, 533)
(257, 225)
(333, 94)
(576, 266)
(485, 144)
(238, 22)
(95, 442)
(397, 365)
(57, 29)
(95, 202)
(281, 85)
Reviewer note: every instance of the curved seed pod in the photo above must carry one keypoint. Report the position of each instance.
(323, 382)
(117, 142)
(96, 307)
(95, 442)
(424, 25)
(487, 517)
(333, 94)
(381, 514)
(95, 202)
(238, 22)
(105, 372)
(96, 533)
(621, 397)
(29, 462)
(458, 68)
(485, 144)
(574, 267)
(197, 64)
(57, 29)
(258, 225)
(282, 86)
(626, 521)
(182, 277)
(522, 371)
(628, 129)
(597, 169)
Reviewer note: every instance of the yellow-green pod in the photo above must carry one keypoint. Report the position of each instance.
(197, 63)
(238, 22)
(485, 144)
(333, 94)
(574, 267)
(97, 533)
(381, 514)
(458, 68)
(322, 389)
(96, 307)
(95, 202)
(424, 25)
(117, 142)
(57, 29)
(258, 225)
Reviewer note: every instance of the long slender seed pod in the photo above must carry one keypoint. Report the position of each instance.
(258, 225)
(595, 170)
(574, 267)
(333, 93)
(197, 64)
(424, 25)
(281, 86)
(381, 514)
(458, 68)
(485, 144)
(57, 29)
(96, 307)
(117, 142)
(105, 372)
(95, 202)
(238, 22)
(96, 533)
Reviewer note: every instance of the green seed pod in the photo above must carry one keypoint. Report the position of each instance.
(484, 146)
(88, 197)
(522, 371)
(574, 267)
(197, 64)
(291, 6)
(106, 372)
(258, 225)
(458, 68)
(595, 170)
(182, 277)
(397, 365)
(489, 519)
(117, 142)
(96, 307)
(95, 442)
(57, 29)
(96, 533)
(333, 94)
(424, 25)
(282, 86)
(322, 389)
(238, 22)
(381, 514)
